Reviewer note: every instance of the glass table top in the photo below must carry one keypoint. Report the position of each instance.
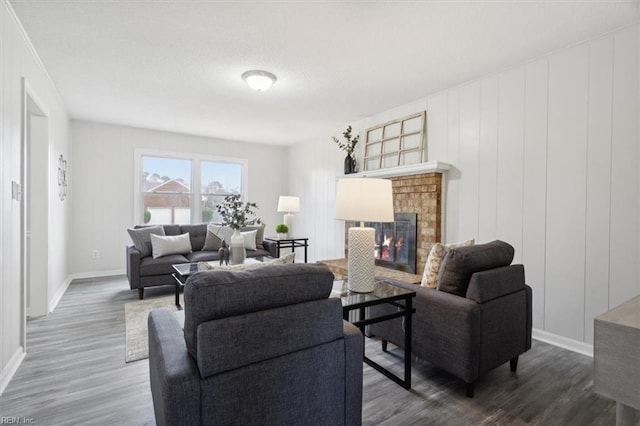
(186, 269)
(382, 291)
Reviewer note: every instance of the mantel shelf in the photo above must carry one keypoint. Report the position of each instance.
(412, 169)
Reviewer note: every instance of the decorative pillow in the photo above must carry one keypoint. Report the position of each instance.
(259, 236)
(249, 239)
(212, 242)
(434, 260)
(250, 263)
(141, 238)
(173, 244)
(221, 231)
(462, 262)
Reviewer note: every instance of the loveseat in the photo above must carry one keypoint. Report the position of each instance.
(478, 319)
(261, 346)
(145, 271)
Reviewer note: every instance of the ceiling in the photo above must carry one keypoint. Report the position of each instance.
(176, 65)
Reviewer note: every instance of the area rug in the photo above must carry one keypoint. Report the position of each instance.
(136, 314)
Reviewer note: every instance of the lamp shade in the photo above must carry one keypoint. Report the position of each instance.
(364, 200)
(288, 204)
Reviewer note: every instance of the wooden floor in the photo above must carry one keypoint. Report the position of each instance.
(75, 374)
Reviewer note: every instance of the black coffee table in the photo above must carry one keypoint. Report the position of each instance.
(384, 292)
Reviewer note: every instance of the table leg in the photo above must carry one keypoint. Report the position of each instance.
(407, 343)
(305, 251)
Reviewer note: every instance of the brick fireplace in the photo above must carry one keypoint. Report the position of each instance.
(420, 192)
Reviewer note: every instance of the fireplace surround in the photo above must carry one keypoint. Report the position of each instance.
(416, 189)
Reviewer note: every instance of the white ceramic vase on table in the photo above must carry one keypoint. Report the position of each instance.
(237, 252)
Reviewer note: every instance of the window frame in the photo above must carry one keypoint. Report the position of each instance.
(196, 177)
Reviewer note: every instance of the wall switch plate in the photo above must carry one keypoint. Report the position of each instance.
(16, 191)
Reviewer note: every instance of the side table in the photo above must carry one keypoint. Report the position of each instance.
(290, 242)
(383, 293)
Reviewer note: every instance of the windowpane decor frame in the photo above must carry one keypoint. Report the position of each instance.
(396, 143)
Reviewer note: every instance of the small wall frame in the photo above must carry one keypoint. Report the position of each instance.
(396, 143)
(62, 178)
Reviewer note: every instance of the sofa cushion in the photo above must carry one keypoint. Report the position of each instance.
(460, 263)
(202, 256)
(171, 244)
(197, 234)
(434, 261)
(161, 265)
(141, 237)
(172, 229)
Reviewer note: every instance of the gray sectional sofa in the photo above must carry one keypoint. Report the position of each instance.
(145, 271)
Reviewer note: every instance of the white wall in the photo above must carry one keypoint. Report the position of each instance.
(103, 185)
(18, 60)
(545, 157)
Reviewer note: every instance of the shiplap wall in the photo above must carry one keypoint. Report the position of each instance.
(18, 60)
(545, 156)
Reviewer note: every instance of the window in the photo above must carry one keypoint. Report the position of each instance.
(175, 188)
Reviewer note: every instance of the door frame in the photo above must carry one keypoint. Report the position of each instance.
(30, 97)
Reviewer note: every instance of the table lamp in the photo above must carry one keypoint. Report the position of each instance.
(363, 200)
(288, 205)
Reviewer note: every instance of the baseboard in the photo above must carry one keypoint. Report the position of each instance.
(56, 297)
(97, 274)
(10, 369)
(80, 276)
(563, 342)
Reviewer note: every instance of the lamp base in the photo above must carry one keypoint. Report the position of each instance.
(288, 220)
(361, 263)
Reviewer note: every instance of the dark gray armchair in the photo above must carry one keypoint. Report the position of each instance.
(260, 347)
(480, 322)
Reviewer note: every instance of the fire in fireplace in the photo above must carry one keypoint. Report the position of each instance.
(396, 242)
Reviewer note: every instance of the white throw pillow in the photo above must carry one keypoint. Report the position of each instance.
(172, 244)
(249, 239)
(434, 260)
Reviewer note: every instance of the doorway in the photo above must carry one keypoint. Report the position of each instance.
(35, 199)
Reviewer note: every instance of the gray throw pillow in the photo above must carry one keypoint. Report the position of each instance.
(212, 242)
(141, 238)
(460, 263)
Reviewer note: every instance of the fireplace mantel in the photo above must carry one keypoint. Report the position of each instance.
(412, 169)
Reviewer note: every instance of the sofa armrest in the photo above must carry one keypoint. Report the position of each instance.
(133, 267)
(354, 355)
(493, 283)
(175, 380)
(271, 247)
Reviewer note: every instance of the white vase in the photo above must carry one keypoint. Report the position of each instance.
(237, 253)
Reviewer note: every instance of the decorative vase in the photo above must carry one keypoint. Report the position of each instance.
(349, 165)
(237, 252)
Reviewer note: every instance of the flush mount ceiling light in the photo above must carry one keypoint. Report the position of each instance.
(259, 80)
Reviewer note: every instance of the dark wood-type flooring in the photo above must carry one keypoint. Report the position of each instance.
(74, 374)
